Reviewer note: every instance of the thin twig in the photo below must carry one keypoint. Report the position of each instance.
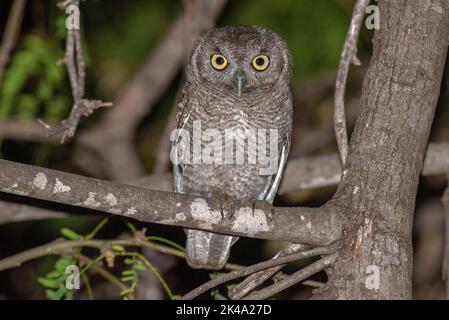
(111, 140)
(74, 61)
(348, 56)
(255, 268)
(102, 272)
(256, 279)
(62, 246)
(445, 265)
(11, 34)
(295, 278)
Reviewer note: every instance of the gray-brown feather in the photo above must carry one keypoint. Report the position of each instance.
(209, 97)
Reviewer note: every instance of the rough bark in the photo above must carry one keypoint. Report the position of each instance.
(314, 226)
(379, 184)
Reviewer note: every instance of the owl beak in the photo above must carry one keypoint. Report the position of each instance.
(239, 80)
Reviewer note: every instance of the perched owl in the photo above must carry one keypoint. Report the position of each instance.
(237, 85)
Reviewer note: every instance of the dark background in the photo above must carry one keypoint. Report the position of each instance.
(117, 37)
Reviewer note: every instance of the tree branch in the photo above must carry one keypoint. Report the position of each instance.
(15, 212)
(257, 267)
(23, 131)
(111, 140)
(315, 226)
(61, 246)
(74, 61)
(295, 278)
(256, 279)
(378, 190)
(348, 56)
(314, 171)
(11, 34)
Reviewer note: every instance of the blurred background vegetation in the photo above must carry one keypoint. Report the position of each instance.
(117, 37)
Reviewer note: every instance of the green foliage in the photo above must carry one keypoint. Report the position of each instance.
(33, 81)
(314, 30)
(130, 275)
(97, 228)
(54, 281)
(166, 241)
(217, 295)
(70, 234)
(137, 262)
(33, 86)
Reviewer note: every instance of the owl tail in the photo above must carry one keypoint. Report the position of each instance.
(207, 250)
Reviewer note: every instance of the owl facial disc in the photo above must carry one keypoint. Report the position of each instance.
(239, 80)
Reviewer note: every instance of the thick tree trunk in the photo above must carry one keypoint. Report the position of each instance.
(379, 183)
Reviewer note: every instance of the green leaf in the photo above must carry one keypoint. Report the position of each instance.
(129, 261)
(215, 275)
(97, 228)
(131, 227)
(54, 274)
(128, 272)
(125, 292)
(118, 248)
(166, 241)
(49, 283)
(217, 295)
(129, 278)
(63, 262)
(70, 234)
(56, 294)
(139, 266)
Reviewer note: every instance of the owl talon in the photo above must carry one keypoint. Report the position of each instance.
(263, 205)
(266, 207)
(224, 203)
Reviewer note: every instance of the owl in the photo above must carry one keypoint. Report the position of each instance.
(234, 109)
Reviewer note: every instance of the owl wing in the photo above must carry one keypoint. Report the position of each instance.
(273, 181)
(186, 104)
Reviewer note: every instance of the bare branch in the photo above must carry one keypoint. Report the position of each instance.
(61, 246)
(348, 56)
(23, 131)
(314, 171)
(15, 212)
(111, 140)
(11, 34)
(315, 226)
(295, 278)
(74, 61)
(256, 279)
(257, 267)
(317, 171)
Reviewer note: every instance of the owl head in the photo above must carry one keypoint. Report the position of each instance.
(240, 60)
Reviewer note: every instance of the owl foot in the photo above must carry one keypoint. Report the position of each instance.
(263, 205)
(224, 203)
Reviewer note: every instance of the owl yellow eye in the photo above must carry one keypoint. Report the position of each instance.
(219, 62)
(261, 62)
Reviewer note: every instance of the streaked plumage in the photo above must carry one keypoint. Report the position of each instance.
(211, 97)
